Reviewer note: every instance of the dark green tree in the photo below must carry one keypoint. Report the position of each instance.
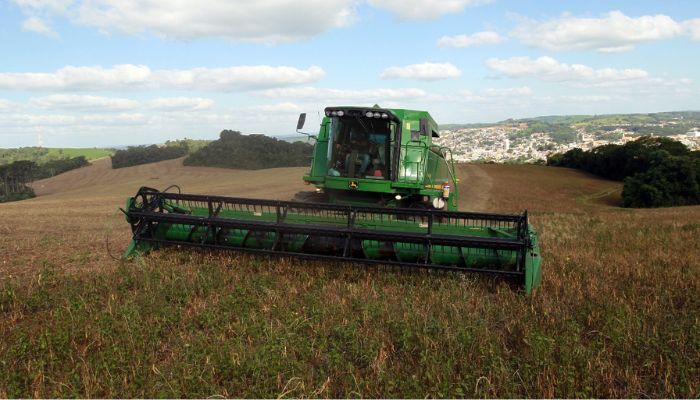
(235, 150)
(137, 155)
(669, 181)
(657, 171)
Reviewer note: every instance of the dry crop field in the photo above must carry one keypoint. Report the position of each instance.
(617, 314)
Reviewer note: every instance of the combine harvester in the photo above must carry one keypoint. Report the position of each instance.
(389, 196)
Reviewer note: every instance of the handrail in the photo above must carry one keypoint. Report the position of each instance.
(451, 170)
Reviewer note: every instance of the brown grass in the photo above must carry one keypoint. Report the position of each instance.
(543, 189)
(75, 213)
(101, 181)
(616, 315)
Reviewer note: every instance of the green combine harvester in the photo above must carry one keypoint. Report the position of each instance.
(385, 194)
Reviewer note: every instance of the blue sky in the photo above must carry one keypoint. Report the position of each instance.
(113, 72)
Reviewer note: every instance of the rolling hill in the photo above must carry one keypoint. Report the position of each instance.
(41, 155)
(616, 315)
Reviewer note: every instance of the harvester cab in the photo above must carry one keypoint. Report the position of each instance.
(382, 157)
(392, 198)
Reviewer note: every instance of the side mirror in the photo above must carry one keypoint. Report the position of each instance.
(300, 122)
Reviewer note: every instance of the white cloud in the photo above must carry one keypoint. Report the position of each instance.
(549, 69)
(424, 72)
(128, 76)
(268, 21)
(78, 78)
(692, 28)
(364, 96)
(57, 120)
(83, 102)
(478, 38)
(7, 105)
(237, 78)
(109, 119)
(614, 32)
(37, 25)
(286, 107)
(180, 103)
(424, 9)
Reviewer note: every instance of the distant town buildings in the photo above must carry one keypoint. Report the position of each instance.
(502, 143)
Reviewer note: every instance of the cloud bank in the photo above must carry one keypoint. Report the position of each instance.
(424, 72)
(549, 69)
(129, 77)
(424, 9)
(613, 32)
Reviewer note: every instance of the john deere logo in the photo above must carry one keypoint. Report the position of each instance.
(353, 184)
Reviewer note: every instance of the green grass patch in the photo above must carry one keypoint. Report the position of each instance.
(41, 155)
(89, 153)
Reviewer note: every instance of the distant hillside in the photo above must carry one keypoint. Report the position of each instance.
(21, 166)
(235, 150)
(16, 178)
(677, 117)
(466, 126)
(42, 155)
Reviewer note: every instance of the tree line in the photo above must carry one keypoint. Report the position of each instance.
(656, 171)
(16, 177)
(235, 150)
(137, 155)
